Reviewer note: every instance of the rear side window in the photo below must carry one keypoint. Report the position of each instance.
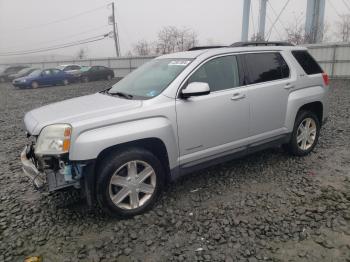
(264, 67)
(307, 62)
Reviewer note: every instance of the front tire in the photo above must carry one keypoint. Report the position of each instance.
(305, 134)
(129, 182)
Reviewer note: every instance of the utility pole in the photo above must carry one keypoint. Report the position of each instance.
(314, 23)
(245, 20)
(115, 32)
(262, 20)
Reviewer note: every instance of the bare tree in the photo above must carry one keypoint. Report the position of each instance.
(82, 53)
(343, 28)
(172, 39)
(143, 48)
(296, 34)
(257, 38)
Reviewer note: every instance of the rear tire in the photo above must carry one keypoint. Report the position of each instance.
(129, 182)
(34, 85)
(305, 134)
(65, 82)
(85, 79)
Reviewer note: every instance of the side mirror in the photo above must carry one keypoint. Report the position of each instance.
(195, 89)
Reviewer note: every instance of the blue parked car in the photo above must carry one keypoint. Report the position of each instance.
(45, 77)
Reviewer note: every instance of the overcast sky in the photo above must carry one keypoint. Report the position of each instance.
(30, 24)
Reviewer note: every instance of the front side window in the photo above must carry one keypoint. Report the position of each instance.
(152, 78)
(265, 67)
(220, 73)
(47, 72)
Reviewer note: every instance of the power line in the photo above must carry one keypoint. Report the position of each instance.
(61, 20)
(69, 36)
(346, 4)
(336, 11)
(279, 20)
(279, 34)
(80, 42)
(279, 15)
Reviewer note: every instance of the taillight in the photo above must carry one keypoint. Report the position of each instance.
(325, 79)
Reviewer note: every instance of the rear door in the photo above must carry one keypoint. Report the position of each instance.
(269, 81)
(57, 76)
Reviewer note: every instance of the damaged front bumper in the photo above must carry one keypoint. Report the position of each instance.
(38, 178)
(50, 174)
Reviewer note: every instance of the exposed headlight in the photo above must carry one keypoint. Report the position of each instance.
(54, 140)
(23, 80)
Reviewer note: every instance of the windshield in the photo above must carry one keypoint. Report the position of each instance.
(24, 70)
(61, 67)
(85, 68)
(152, 78)
(35, 73)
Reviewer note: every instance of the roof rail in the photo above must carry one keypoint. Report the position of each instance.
(195, 48)
(260, 43)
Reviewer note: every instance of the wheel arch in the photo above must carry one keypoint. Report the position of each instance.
(315, 107)
(312, 99)
(152, 144)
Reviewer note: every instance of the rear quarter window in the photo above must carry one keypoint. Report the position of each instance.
(265, 67)
(307, 62)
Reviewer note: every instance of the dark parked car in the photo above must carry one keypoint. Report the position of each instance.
(22, 73)
(74, 70)
(4, 76)
(46, 77)
(96, 73)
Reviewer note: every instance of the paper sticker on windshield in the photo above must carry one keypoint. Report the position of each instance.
(179, 63)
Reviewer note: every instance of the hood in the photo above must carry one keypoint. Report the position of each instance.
(19, 79)
(76, 109)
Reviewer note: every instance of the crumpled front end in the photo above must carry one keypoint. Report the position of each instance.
(50, 173)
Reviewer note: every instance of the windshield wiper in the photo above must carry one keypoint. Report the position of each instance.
(121, 94)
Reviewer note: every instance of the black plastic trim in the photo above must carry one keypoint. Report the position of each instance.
(229, 155)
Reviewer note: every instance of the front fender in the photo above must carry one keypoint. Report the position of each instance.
(89, 144)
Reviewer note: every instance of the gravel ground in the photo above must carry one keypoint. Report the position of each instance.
(265, 207)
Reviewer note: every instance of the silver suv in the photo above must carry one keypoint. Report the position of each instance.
(176, 114)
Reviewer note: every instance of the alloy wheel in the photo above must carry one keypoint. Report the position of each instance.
(306, 134)
(132, 185)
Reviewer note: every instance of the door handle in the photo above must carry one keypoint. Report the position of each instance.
(237, 96)
(288, 86)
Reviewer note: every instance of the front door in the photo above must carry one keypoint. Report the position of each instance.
(45, 77)
(213, 124)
